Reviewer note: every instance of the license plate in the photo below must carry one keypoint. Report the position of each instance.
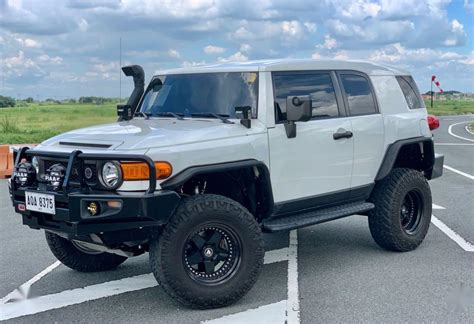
(40, 202)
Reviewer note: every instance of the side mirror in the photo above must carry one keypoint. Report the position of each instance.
(298, 108)
(124, 112)
(244, 113)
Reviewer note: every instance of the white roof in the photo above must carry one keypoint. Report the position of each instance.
(290, 65)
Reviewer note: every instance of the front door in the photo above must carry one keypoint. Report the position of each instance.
(316, 162)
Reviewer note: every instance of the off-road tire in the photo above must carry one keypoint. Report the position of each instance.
(69, 255)
(388, 196)
(167, 252)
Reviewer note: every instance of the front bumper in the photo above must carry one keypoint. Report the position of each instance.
(136, 210)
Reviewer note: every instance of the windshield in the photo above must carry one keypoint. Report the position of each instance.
(201, 94)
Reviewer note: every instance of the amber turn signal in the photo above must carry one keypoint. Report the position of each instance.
(139, 171)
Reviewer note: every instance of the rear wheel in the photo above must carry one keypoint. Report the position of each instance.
(402, 213)
(80, 257)
(210, 253)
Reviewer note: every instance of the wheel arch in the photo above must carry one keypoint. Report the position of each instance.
(257, 168)
(414, 153)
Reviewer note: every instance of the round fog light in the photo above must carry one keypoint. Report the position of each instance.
(93, 208)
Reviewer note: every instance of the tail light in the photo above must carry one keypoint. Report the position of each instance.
(433, 122)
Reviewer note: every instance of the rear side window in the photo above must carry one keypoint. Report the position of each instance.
(359, 94)
(410, 90)
(317, 85)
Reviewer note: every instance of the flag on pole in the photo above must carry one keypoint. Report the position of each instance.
(436, 82)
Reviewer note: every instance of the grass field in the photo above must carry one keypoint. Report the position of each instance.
(35, 123)
(471, 127)
(451, 107)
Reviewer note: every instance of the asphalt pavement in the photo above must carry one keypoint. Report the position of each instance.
(332, 272)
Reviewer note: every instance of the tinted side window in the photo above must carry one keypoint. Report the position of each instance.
(359, 94)
(317, 85)
(410, 90)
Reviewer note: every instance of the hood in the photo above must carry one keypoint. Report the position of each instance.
(139, 134)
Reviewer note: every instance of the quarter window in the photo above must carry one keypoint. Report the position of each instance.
(410, 90)
(318, 86)
(359, 94)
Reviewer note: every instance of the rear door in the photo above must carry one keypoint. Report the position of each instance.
(313, 163)
(367, 126)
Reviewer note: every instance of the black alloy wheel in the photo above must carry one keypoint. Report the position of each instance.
(212, 254)
(411, 212)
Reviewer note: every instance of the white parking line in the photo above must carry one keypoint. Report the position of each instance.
(447, 167)
(80, 295)
(455, 144)
(276, 256)
(468, 130)
(465, 245)
(437, 207)
(293, 306)
(286, 311)
(23, 291)
(457, 136)
(75, 296)
(266, 314)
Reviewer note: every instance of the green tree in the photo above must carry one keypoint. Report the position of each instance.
(7, 102)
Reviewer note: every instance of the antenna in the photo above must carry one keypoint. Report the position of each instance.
(120, 72)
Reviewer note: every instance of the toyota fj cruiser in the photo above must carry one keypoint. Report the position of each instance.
(205, 159)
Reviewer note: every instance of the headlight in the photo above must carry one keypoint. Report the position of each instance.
(111, 175)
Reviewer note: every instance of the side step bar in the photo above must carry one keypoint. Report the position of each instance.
(317, 216)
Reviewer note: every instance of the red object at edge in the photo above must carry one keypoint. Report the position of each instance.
(433, 122)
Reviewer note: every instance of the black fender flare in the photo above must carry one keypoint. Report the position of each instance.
(427, 146)
(183, 176)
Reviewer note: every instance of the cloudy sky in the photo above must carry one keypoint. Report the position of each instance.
(71, 48)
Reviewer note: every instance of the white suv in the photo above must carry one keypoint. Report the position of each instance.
(206, 158)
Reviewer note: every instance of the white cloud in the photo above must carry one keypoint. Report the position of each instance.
(329, 43)
(108, 70)
(174, 54)
(311, 27)
(286, 30)
(292, 29)
(245, 48)
(469, 59)
(19, 61)
(28, 42)
(53, 60)
(192, 63)
(411, 34)
(210, 49)
(236, 57)
(83, 25)
(397, 53)
(469, 5)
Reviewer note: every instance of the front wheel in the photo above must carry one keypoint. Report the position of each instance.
(210, 253)
(402, 213)
(81, 258)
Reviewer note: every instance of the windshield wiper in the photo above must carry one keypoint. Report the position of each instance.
(144, 114)
(211, 114)
(169, 113)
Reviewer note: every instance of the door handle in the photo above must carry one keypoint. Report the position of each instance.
(339, 135)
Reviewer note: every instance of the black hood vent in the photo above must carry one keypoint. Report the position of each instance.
(94, 145)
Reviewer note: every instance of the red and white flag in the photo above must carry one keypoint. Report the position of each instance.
(436, 82)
